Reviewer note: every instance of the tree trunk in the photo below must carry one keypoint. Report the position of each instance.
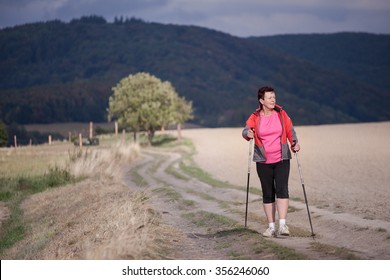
(150, 136)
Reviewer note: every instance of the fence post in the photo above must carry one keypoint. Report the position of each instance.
(80, 141)
(123, 135)
(15, 141)
(116, 128)
(90, 130)
(49, 139)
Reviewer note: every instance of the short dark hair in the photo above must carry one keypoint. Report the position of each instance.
(262, 91)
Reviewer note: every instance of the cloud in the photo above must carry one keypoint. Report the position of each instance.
(241, 18)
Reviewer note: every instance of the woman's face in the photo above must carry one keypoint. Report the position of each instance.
(269, 100)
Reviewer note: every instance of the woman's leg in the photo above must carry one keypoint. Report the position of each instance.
(270, 210)
(266, 176)
(282, 173)
(282, 205)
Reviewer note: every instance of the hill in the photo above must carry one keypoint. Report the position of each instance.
(62, 72)
(361, 56)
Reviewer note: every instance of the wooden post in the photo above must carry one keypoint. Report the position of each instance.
(49, 139)
(179, 131)
(123, 135)
(116, 128)
(15, 141)
(30, 144)
(70, 136)
(90, 130)
(80, 141)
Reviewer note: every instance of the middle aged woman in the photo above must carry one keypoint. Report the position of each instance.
(271, 127)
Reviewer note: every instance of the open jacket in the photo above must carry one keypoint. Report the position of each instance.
(288, 132)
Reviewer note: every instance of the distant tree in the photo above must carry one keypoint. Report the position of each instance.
(142, 102)
(3, 135)
(118, 20)
(91, 19)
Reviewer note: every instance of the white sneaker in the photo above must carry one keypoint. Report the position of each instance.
(270, 232)
(283, 230)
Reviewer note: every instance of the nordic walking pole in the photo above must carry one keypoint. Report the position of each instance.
(304, 193)
(247, 182)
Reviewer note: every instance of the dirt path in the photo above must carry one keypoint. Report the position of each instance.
(209, 219)
(179, 202)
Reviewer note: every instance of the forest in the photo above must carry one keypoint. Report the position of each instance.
(64, 71)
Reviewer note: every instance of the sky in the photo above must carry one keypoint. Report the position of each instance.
(241, 18)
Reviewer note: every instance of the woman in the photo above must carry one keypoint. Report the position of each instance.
(271, 127)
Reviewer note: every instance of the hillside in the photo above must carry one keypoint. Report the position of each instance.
(62, 72)
(358, 55)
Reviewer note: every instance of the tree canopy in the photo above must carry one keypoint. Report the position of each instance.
(142, 102)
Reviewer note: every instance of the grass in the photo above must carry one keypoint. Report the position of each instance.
(244, 244)
(211, 220)
(173, 196)
(23, 186)
(173, 171)
(34, 160)
(14, 190)
(137, 178)
(159, 140)
(334, 252)
(170, 193)
(192, 170)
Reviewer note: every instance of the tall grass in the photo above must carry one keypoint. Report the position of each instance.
(102, 162)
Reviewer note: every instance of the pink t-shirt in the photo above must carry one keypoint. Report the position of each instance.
(270, 132)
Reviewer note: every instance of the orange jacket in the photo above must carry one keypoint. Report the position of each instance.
(288, 132)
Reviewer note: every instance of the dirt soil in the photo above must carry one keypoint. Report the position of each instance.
(345, 171)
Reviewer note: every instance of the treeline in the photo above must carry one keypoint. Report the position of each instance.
(61, 72)
(23, 137)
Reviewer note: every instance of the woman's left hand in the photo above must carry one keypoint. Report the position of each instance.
(296, 148)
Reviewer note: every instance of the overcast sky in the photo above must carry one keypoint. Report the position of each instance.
(237, 17)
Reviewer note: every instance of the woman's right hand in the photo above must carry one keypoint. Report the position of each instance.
(250, 133)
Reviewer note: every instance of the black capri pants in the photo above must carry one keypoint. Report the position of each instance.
(274, 179)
